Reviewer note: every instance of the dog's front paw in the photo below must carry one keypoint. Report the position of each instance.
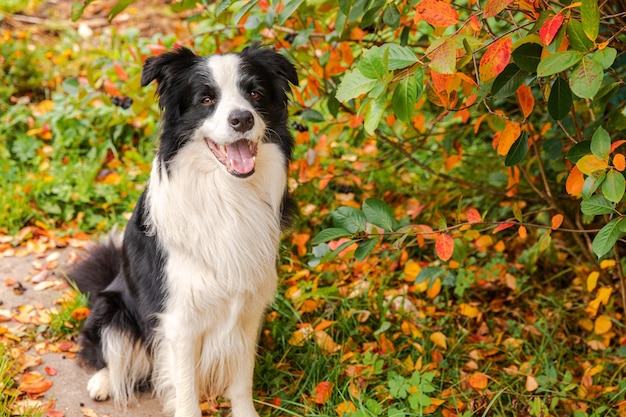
(99, 385)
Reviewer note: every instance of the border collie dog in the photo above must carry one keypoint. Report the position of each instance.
(178, 303)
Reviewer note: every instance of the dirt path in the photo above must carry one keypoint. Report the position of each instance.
(21, 311)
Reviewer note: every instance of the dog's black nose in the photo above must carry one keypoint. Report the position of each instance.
(241, 120)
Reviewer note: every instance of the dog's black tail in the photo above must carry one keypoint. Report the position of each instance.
(100, 267)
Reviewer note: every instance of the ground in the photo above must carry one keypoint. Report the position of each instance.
(21, 311)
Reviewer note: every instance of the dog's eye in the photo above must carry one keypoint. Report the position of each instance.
(255, 95)
(207, 100)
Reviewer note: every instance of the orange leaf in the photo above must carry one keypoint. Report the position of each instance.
(495, 58)
(619, 162)
(473, 216)
(574, 183)
(51, 371)
(589, 164)
(437, 13)
(508, 137)
(322, 392)
(36, 388)
(493, 7)
(80, 313)
(549, 29)
(557, 221)
(523, 233)
(120, 72)
(525, 99)
(444, 246)
(616, 145)
(110, 88)
(478, 381)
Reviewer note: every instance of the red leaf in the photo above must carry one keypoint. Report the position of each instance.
(549, 29)
(120, 72)
(111, 89)
(322, 392)
(473, 216)
(437, 13)
(493, 7)
(156, 49)
(51, 371)
(495, 58)
(502, 227)
(617, 144)
(444, 246)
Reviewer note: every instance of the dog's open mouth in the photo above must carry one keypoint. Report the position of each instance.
(238, 157)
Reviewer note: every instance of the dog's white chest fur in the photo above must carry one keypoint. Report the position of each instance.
(221, 236)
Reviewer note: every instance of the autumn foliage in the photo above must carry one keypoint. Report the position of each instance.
(459, 169)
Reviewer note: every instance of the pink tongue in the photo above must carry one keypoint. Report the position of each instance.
(240, 157)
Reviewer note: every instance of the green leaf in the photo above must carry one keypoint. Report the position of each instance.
(577, 37)
(560, 100)
(399, 56)
(327, 235)
(518, 151)
(374, 113)
(590, 16)
(613, 186)
(592, 182)
(379, 214)
(119, 7)
(558, 62)
(365, 248)
(311, 115)
(586, 79)
(597, 205)
(71, 86)
(579, 150)
(391, 16)
(429, 274)
(404, 98)
(527, 56)
(353, 84)
(290, 7)
(508, 81)
(601, 143)
(349, 218)
(607, 237)
(605, 57)
(373, 63)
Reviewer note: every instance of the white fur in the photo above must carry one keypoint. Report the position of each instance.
(220, 235)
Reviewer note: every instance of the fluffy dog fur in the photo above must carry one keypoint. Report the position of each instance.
(178, 304)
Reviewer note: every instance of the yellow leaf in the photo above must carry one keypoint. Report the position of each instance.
(411, 269)
(439, 339)
(592, 280)
(531, 383)
(469, 311)
(589, 164)
(586, 324)
(602, 325)
(346, 407)
(607, 263)
(300, 336)
(604, 293)
(326, 342)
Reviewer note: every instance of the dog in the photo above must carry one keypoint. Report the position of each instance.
(177, 304)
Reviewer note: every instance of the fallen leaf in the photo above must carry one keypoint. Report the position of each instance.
(602, 325)
(531, 383)
(439, 339)
(322, 392)
(478, 381)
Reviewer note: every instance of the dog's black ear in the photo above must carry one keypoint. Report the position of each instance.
(157, 68)
(273, 61)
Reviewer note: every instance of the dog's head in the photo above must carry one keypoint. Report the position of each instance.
(232, 102)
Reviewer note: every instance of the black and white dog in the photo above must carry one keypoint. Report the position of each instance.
(178, 304)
